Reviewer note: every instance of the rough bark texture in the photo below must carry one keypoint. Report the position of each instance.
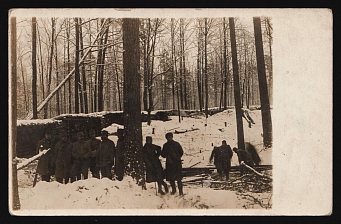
(132, 106)
(240, 130)
(263, 89)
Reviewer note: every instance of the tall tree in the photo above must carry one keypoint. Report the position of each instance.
(239, 121)
(57, 80)
(101, 72)
(263, 89)
(206, 76)
(49, 75)
(34, 68)
(85, 95)
(77, 76)
(15, 202)
(132, 104)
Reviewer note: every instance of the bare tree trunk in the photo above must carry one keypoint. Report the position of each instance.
(85, 95)
(199, 69)
(50, 65)
(181, 68)
(77, 77)
(225, 64)
(24, 86)
(41, 68)
(116, 71)
(132, 105)
(68, 66)
(240, 130)
(101, 72)
(57, 80)
(263, 89)
(15, 202)
(173, 76)
(206, 76)
(34, 68)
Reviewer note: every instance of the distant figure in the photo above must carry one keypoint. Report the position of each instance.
(222, 159)
(63, 150)
(119, 159)
(45, 165)
(81, 152)
(253, 152)
(173, 152)
(154, 171)
(94, 145)
(105, 159)
(243, 155)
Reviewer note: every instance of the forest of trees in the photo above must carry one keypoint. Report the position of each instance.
(184, 64)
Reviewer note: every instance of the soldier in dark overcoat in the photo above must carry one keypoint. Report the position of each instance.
(222, 159)
(81, 152)
(243, 155)
(94, 144)
(173, 152)
(154, 170)
(45, 165)
(106, 155)
(119, 158)
(253, 152)
(63, 150)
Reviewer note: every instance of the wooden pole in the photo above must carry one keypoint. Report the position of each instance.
(15, 202)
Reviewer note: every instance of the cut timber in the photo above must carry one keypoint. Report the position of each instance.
(185, 130)
(48, 98)
(194, 180)
(253, 170)
(30, 160)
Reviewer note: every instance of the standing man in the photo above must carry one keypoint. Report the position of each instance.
(119, 159)
(243, 155)
(63, 150)
(81, 152)
(44, 163)
(94, 145)
(222, 159)
(154, 171)
(173, 152)
(106, 155)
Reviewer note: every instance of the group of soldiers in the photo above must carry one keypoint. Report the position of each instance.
(67, 160)
(222, 156)
(71, 161)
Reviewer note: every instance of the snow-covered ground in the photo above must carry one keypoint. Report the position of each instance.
(197, 145)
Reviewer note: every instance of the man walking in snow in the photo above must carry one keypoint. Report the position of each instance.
(63, 150)
(119, 159)
(154, 171)
(222, 159)
(81, 152)
(94, 144)
(45, 161)
(106, 155)
(243, 155)
(173, 152)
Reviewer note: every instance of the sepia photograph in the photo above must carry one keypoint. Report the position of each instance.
(159, 111)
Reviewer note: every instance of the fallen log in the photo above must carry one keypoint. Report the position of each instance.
(30, 160)
(253, 170)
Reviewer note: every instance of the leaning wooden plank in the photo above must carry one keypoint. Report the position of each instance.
(253, 170)
(30, 160)
(47, 99)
